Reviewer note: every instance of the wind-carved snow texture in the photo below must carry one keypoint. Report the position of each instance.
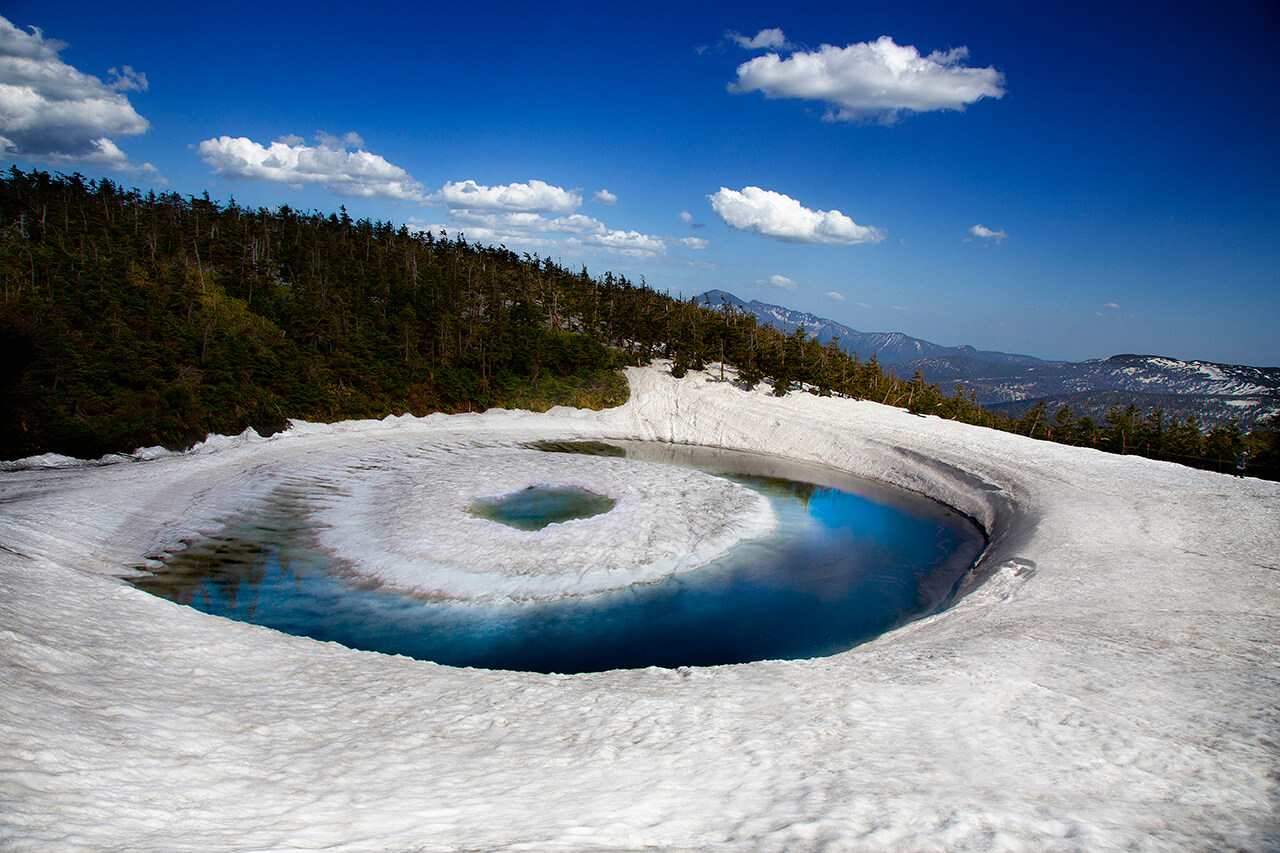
(1107, 681)
(401, 515)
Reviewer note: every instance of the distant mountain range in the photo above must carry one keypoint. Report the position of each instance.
(890, 348)
(1013, 383)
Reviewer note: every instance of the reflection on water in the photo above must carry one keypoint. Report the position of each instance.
(848, 561)
(535, 507)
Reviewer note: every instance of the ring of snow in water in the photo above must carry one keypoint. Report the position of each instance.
(407, 523)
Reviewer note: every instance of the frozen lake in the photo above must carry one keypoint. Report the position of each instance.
(848, 560)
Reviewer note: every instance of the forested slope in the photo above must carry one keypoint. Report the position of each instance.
(130, 320)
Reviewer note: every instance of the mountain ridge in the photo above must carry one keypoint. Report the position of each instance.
(1014, 383)
(890, 348)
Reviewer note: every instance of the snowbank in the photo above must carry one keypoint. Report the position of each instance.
(1113, 684)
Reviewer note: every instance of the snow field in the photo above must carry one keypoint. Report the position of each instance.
(1109, 681)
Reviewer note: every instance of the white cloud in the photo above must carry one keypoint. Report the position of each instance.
(987, 234)
(869, 79)
(629, 243)
(535, 196)
(693, 242)
(763, 40)
(1112, 306)
(575, 231)
(520, 215)
(833, 296)
(52, 112)
(289, 160)
(491, 236)
(527, 223)
(781, 217)
(781, 281)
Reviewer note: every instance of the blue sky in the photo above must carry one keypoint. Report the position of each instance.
(1071, 183)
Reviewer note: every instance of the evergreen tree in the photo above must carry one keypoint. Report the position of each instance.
(129, 320)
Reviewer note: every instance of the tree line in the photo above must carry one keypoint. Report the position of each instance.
(131, 319)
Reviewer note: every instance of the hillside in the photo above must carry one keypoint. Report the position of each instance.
(889, 348)
(131, 320)
(1213, 394)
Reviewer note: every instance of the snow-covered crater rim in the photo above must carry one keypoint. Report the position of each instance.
(198, 487)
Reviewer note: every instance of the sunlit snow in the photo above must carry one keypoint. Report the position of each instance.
(398, 511)
(1108, 680)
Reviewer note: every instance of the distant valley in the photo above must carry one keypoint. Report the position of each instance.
(1014, 383)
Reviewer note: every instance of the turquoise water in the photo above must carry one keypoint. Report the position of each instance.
(850, 560)
(535, 507)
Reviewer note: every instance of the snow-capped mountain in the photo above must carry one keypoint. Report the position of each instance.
(1214, 393)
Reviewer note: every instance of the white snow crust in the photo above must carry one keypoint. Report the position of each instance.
(1109, 680)
(400, 513)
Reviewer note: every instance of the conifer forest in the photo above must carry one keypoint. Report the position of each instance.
(130, 320)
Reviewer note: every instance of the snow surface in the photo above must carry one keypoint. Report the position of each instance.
(399, 512)
(1110, 679)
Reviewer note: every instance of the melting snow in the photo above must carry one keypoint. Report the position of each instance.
(398, 511)
(1108, 681)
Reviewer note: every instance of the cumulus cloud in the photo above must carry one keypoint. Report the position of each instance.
(574, 231)
(780, 281)
(516, 222)
(1113, 306)
(984, 233)
(871, 79)
(769, 39)
(833, 296)
(629, 243)
(52, 112)
(535, 196)
(289, 160)
(693, 242)
(537, 215)
(781, 217)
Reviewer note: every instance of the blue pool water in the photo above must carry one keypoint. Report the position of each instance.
(849, 561)
(536, 507)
